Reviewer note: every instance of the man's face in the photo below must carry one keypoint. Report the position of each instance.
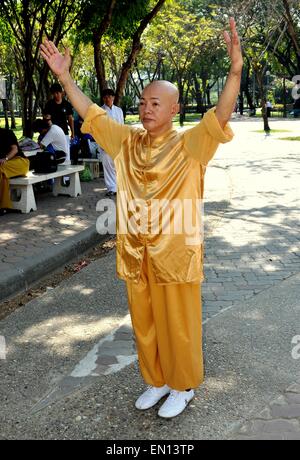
(109, 100)
(47, 118)
(157, 109)
(57, 96)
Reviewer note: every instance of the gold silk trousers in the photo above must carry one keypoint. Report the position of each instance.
(167, 325)
(18, 166)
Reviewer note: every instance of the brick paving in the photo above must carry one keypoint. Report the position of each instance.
(57, 219)
(254, 242)
(255, 245)
(279, 420)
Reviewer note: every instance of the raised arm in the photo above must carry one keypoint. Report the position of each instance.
(60, 66)
(228, 98)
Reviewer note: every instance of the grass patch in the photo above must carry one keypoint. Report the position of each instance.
(289, 138)
(272, 131)
(18, 131)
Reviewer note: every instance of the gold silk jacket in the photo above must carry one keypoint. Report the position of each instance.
(170, 169)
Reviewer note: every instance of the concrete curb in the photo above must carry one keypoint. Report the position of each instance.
(47, 261)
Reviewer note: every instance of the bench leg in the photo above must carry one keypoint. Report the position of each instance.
(27, 201)
(74, 189)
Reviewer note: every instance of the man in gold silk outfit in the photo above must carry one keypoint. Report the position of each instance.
(162, 269)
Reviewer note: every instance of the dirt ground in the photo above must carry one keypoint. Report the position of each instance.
(54, 279)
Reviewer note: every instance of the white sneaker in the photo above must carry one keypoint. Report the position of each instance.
(176, 403)
(151, 397)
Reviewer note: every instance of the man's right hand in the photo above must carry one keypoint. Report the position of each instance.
(59, 64)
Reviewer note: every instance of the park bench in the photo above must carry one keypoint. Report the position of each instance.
(93, 165)
(25, 201)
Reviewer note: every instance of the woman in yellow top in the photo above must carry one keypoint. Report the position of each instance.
(12, 164)
(160, 170)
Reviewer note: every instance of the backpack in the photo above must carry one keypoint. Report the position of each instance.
(45, 163)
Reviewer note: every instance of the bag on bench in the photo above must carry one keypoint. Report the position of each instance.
(45, 163)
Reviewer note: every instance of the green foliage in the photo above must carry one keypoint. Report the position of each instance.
(125, 19)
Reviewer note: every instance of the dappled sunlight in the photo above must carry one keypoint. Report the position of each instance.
(69, 221)
(254, 315)
(5, 236)
(226, 383)
(87, 291)
(34, 227)
(269, 268)
(68, 232)
(64, 333)
(79, 288)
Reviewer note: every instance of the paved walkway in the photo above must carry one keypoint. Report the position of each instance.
(254, 243)
(251, 313)
(32, 245)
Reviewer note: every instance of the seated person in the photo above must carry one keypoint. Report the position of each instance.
(12, 164)
(51, 138)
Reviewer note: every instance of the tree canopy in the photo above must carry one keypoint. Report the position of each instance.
(128, 43)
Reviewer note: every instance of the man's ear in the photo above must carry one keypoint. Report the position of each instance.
(175, 109)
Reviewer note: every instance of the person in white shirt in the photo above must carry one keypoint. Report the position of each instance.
(269, 107)
(108, 164)
(51, 136)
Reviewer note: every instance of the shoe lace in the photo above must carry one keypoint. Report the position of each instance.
(152, 389)
(173, 395)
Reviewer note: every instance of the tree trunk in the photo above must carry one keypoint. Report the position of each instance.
(4, 103)
(208, 96)
(204, 89)
(246, 90)
(126, 67)
(181, 102)
(99, 64)
(9, 101)
(249, 99)
(284, 98)
(263, 97)
(241, 103)
(12, 114)
(198, 95)
(97, 37)
(135, 49)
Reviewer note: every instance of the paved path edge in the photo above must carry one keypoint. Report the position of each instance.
(40, 265)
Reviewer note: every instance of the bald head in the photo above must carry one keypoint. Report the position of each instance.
(163, 87)
(158, 107)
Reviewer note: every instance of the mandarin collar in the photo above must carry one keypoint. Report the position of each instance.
(160, 139)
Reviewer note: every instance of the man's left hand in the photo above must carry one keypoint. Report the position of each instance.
(234, 48)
